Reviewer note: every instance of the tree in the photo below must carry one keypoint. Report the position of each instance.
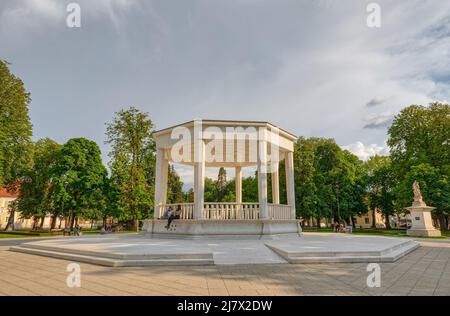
(420, 134)
(435, 188)
(306, 199)
(174, 187)
(329, 181)
(36, 194)
(132, 161)
(381, 185)
(250, 189)
(419, 140)
(221, 184)
(78, 177)
(15, 127)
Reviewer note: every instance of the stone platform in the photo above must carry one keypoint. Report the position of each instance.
(139, 250)
(194, 229)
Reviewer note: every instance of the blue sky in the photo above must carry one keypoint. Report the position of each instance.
(312, 67)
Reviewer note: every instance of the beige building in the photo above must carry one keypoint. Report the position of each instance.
(366, 221)
(6, 198)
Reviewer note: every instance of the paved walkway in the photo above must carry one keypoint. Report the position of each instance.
(425, 271)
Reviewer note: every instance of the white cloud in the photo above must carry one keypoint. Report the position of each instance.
(364, 152)
(308, 66)
(22, 16)
(379, 121)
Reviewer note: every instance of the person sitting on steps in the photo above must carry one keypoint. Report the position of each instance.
(174, 215)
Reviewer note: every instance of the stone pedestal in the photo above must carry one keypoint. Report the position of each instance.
(222, 228)
(422, 223)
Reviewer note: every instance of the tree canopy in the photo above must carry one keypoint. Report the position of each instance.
(132, 162)
(15, 127)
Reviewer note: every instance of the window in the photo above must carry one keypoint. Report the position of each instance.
(366, 220)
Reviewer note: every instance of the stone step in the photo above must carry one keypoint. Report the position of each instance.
(114, 262)
(119, 256)
(391, 254)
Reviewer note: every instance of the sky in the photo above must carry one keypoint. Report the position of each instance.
(312, 67)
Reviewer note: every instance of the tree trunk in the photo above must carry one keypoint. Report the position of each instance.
(387, 222)
(54, 219)
(442, 222)
(72, 221)
(10, 223)
(136, 224)
(374, 218)
(41, 224)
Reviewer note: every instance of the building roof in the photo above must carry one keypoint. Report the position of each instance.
(5, 194)
(228, 122)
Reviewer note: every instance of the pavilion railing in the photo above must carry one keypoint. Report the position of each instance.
(187, 209)
(279, 211)
(229, 211)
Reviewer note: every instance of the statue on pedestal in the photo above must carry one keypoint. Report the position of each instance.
(421, 220)
(418, 200)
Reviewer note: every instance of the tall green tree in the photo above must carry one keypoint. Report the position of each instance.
(329, 181)
(15, 133)
(15, 127)
(132, 161)
(435, 188)
(175, 192)
(306, 198)
(250, 189)
(36, 194)
(420, 134)
(381, 187)
(78, 178)
(419, 139)
(220, 190)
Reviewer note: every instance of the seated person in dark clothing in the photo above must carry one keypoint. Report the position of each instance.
(174, 215)
(167, 213)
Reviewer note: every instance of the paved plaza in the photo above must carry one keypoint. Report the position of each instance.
(425, 271)
(143, 250)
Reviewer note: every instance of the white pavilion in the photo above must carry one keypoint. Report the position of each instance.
(229, 144)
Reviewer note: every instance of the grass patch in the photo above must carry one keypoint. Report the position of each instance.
(46, 233)
(376, 232)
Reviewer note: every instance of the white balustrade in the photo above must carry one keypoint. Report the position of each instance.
(229, 211)
(279, 211)
(187, 209)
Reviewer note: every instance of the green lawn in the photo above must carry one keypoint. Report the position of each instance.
(377, 232)
(34, 234)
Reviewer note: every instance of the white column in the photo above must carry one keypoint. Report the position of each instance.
(160, 181)
(275, 184)
(290, 186)
(262, 175)
(238, 184)
(199, 181)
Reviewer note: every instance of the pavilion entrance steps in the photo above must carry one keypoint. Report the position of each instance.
(112, 259)
(390, 253)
